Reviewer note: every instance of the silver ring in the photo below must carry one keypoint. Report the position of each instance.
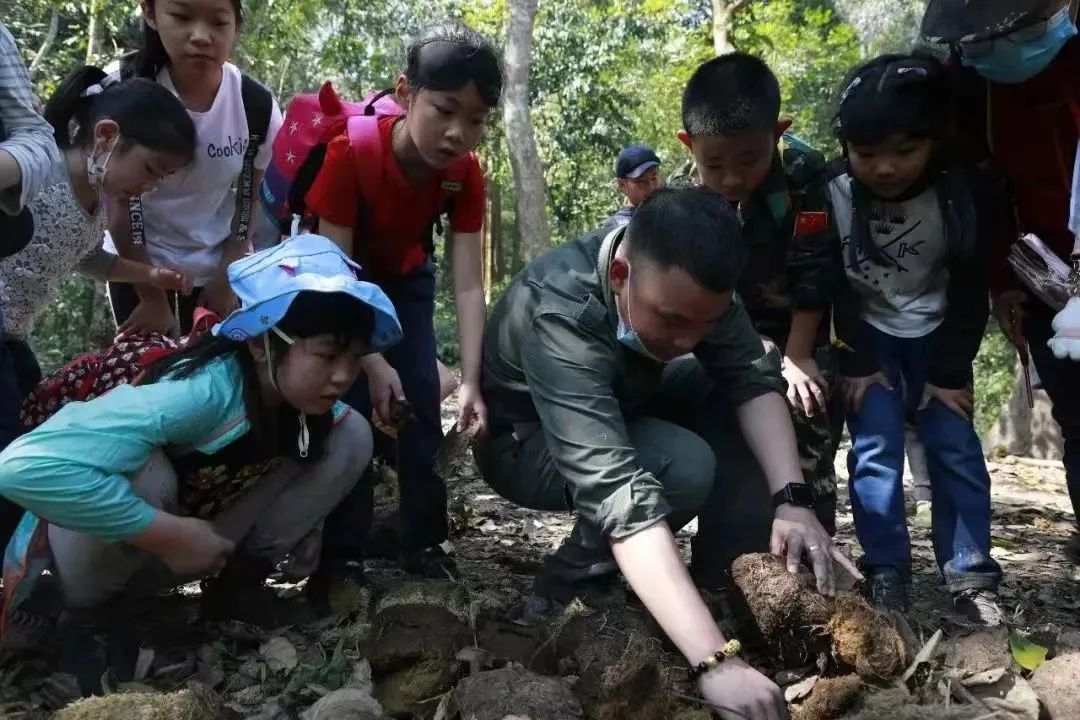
(812, 548)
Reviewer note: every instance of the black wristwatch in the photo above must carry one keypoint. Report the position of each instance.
(798, 494)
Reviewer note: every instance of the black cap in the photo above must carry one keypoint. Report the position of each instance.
(635, 160)
(953, 21)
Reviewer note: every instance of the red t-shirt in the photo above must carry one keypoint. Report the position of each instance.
(396, 222)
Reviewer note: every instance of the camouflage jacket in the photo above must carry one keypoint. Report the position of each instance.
(792, 238)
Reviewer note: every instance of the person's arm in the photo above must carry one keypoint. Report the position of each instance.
(100, 264)
(570, 377)
(28, 150)
(73, 470)
(471, 314)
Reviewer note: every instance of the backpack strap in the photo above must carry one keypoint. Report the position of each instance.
(258, 108)
(365, 145)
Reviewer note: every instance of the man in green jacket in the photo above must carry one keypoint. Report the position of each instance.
(626, 383)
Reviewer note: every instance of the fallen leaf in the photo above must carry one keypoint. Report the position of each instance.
(1027, 654)
(986, 677)
(800, 690)
(279, 654)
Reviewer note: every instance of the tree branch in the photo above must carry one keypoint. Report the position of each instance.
(46, 44)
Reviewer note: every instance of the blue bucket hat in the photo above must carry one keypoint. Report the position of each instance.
(267, 282)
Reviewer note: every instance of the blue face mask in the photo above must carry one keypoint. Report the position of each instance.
(1010, 61)
(625, 332)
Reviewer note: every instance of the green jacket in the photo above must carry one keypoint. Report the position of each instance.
(792, 238)
(551, 357)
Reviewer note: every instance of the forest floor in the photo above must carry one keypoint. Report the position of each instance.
(408, 643)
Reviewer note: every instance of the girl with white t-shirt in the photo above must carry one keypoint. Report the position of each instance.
(191, 221)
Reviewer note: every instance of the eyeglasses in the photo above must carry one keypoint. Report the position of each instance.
(983, 48)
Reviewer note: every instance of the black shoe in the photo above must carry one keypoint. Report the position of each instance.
(572, 573)
(430, 562)
(94, 647)
(979, 607)
(239, 592)
(338, 587)
(888, 590)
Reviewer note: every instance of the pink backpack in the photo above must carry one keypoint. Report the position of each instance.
(312, 121)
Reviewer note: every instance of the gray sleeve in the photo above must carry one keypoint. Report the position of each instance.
(97, 263)
(29, 137)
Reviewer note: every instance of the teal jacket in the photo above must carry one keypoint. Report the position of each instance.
(73, 470)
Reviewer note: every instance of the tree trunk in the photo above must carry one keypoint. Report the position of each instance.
(95, 32)
(722, 18)
(498, 251)
(46, 44)
(530, 192)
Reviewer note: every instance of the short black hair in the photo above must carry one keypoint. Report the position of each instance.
(893, 95)
(730, 95)
(449, 55)
(692, 228)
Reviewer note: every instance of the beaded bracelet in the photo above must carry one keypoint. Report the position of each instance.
(731, 649)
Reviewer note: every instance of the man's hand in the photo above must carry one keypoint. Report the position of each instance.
(854, 389)
(1008, 310)
(795, 532)
(384, 385)
(197, 549)
(961, 402)
(152, 314)
(739, 692)
(807, 387)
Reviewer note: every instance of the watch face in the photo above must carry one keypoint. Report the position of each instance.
(801, 495)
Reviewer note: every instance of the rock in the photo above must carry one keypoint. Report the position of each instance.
(618, 657)
(197, 702)
(345, 704)
(400, 691)
(495, 694)
(1010, 696)
(981, 651)
(1056, 682)
(830, 698)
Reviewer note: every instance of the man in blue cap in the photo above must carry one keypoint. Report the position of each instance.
(637, 171)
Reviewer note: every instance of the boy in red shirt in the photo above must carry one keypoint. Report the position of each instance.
(452, 82)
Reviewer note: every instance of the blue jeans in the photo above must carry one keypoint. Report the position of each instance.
(423, 492)
(1060, 379)
(959, 481)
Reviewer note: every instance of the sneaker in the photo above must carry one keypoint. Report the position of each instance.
(572, 573)
(430, 562)
(979, 607)
(887, 590)
(95, 648)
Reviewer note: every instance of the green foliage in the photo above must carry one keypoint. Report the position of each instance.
(78, 321)
(995, 368)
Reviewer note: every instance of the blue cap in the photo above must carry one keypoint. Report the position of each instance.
(268, 281)
(635, 160)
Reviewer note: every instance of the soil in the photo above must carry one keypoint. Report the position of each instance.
(423, 642)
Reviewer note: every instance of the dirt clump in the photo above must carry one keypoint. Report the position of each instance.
(193, 703)
(617, 658)
(865, 639)
(788, 610)
(980, 651)
(830, 698)
(899, 705)
(1057, 683)
(345, 704)
(495, 694)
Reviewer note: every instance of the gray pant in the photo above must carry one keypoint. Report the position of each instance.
(284, 508)
(688, 438)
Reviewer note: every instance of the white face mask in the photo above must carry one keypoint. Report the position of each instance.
(96, 171)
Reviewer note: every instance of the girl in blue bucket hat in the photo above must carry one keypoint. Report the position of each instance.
(224, 459)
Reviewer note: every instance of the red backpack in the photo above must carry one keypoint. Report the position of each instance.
(313, 120)
(93, 374)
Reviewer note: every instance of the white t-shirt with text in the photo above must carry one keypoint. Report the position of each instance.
(189, 216)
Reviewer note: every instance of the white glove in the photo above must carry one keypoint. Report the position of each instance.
(1066, 324)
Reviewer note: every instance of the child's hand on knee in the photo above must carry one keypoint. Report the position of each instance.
(854, 389)
(961, 402)
(807, 386)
